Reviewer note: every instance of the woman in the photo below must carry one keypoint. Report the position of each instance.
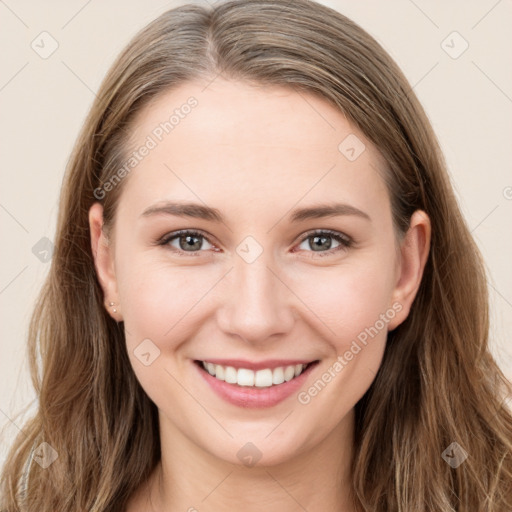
(263, 294)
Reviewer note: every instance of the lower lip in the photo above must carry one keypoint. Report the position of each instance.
(252, 397)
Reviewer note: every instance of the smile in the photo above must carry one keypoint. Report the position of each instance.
(262, 378)
(254, 385)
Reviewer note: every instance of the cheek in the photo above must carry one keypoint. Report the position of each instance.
(159, 300)
(160, 306)
(354, 309)
(348, 299)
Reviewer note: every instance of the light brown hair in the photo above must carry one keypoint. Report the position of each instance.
(438, 382)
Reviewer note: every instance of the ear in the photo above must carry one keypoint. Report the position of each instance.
(414, 251)
(103, 254)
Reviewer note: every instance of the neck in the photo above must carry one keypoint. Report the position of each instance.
(190, 479)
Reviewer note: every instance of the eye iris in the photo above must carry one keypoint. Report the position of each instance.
(323, 244)
(188, 244)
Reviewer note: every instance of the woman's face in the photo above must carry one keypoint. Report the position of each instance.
(259, 284)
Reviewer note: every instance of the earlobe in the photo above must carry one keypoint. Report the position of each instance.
(104, 261)
(414, 253)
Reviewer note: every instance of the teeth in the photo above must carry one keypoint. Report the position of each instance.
(260, 378)
(289, 373)
(245, 377)
(230, 375)
(278, 375)
(219, 372)
(263, 378)
(211, 368)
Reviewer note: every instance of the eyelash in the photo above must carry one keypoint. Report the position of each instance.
(345, 241)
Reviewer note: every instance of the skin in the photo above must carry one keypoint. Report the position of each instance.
(255, 153)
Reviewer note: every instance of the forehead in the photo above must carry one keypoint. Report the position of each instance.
(231, 142)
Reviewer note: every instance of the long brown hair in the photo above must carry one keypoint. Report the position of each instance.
(438, 383)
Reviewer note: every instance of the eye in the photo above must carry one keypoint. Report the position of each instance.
(185, 242)
(188, 242)
(320, 241)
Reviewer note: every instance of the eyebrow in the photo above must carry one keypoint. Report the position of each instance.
(199, 211)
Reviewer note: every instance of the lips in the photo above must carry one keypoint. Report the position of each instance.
(266, 384)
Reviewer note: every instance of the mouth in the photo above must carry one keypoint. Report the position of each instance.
(263, 377)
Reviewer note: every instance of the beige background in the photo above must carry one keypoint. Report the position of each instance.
(43, 102)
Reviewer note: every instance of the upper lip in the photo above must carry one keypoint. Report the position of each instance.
(259, 365)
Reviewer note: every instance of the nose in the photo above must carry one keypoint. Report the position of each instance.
(256, 304)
